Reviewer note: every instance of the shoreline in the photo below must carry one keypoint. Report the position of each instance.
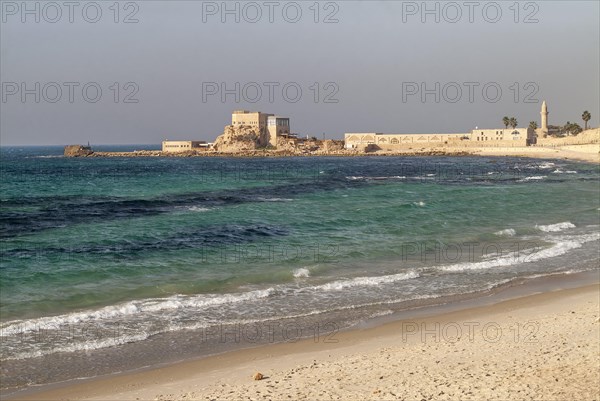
(585, 154)
(188, 376)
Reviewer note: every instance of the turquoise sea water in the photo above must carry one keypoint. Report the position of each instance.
(151, 250)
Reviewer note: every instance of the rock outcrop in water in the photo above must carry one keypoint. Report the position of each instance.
(77, 151)
(241, 139)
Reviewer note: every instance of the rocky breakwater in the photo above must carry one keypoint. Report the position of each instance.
(135, 153)
(87, 151)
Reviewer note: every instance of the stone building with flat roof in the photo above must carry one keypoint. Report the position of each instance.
(268, 124)
(249, 118)
(278, 127)
(399, 141)
(502, 134)
(183, 146)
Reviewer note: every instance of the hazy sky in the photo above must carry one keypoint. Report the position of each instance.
(370, 60)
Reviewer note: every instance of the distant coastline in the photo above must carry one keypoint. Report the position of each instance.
(585, 148)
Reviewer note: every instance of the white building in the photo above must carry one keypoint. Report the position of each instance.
(183, 146)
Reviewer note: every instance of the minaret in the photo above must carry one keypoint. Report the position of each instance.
(544, 114)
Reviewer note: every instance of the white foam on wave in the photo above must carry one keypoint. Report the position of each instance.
(381, 313)
(553, 228)
(366, 281)
(88, 345)
(560, 247)
(559, 171)
(198, 209)
(131, 308)
(532, 178)
(507, 232)
(301, 272)
(563, 245)
(484, 264)
(420, 203)
(128, 336)
(392, 177)
(274, 199)
(546, 165)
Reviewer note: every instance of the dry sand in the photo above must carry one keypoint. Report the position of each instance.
(587, 153)
(538, 347)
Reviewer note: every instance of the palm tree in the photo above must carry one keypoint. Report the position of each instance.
(533, 125)
(571, 128)
(586, 117)
(506, 121)
(513, 122)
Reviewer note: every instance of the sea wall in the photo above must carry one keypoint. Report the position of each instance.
(453, 144)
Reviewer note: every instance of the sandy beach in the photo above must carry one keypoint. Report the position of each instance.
(587, 153)
(541, 347)
(584, 153)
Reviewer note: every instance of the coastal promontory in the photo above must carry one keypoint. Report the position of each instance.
(77, 151)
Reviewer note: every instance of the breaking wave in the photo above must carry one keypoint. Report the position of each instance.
(552, 228)
(367, 281)
(508, 232)
(302, 272)
(561, 246)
